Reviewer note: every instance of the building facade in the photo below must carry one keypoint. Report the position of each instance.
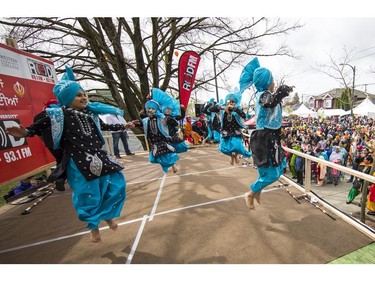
(327, 99)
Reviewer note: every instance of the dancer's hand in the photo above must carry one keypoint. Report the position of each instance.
(19, 132)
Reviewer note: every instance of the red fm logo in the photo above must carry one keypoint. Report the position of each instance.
(40, 69)
(8, 141)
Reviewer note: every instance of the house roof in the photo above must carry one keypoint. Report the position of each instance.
(336, 93)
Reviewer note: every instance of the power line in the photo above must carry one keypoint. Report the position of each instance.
(365, 50)
(363, 56)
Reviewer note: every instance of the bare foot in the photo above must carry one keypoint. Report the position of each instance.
(236, 158)
(174, 169)
(95, 235)
(232, 160)
(112, 225)
(249, 198)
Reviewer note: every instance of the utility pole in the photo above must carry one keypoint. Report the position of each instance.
(217, 93)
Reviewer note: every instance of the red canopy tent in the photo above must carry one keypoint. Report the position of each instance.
(251, 123)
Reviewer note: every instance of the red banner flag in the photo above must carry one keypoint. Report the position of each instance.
(26, 83)
(187, 69)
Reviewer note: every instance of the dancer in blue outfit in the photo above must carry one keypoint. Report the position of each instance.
(172, 112)
(268, 155)
(156, 130)
(232, 121)
(95, 177)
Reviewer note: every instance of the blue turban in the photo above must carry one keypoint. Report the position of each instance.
(246, 78)
(254, 74)
(153, 104)
(166, 101)
(262, 79)
(67, 88)
(236, 96)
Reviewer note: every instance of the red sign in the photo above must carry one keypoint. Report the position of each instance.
(187, 69)
(26, 83)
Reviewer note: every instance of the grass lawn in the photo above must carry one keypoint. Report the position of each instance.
(4, 190)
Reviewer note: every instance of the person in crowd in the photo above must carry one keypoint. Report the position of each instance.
(343, 149)
(353, 154)
(156, 131)
(321, 171)
(319, 152)
(232, 122)
(371, 200)
(246, 137)
(95, 177)
(198, 127)
(204, 127)
(265, 142)
(120, 134)
(305, 144)
(24, 185)
(310, 151)
(192, 136)
(328, 148)
(357, 186)
(300, 168)
(336, 157)
(292, 163)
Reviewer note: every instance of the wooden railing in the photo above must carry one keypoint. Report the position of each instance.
(307, 188)
(309, 159)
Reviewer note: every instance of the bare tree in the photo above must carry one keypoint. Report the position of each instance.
(129, 56)
(337, 70)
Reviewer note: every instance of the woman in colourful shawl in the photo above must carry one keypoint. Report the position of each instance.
(356, 189)
(296, 146)
(321, 171)
(337, 158)
(265, 141)
(95, 177)
(190, 135)
(156, 131)
(371, 200)
(232, 122)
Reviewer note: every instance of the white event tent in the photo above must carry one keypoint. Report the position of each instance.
(304, 112)
(332, 112)
(365, 108)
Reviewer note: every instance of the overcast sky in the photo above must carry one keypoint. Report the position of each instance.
(318, 40)
(321, 38)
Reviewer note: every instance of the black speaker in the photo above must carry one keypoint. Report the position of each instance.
(198, 109)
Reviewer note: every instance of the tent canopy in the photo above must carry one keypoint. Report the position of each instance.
(332, 112)
(304, 112)
(251, 123)
(365, 108)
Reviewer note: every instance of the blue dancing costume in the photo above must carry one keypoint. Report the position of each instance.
(156, 130)
(214, 126)
(95, 177)
(265, 145)
(232, 123)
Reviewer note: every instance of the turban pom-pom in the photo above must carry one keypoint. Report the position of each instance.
(246, 78)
